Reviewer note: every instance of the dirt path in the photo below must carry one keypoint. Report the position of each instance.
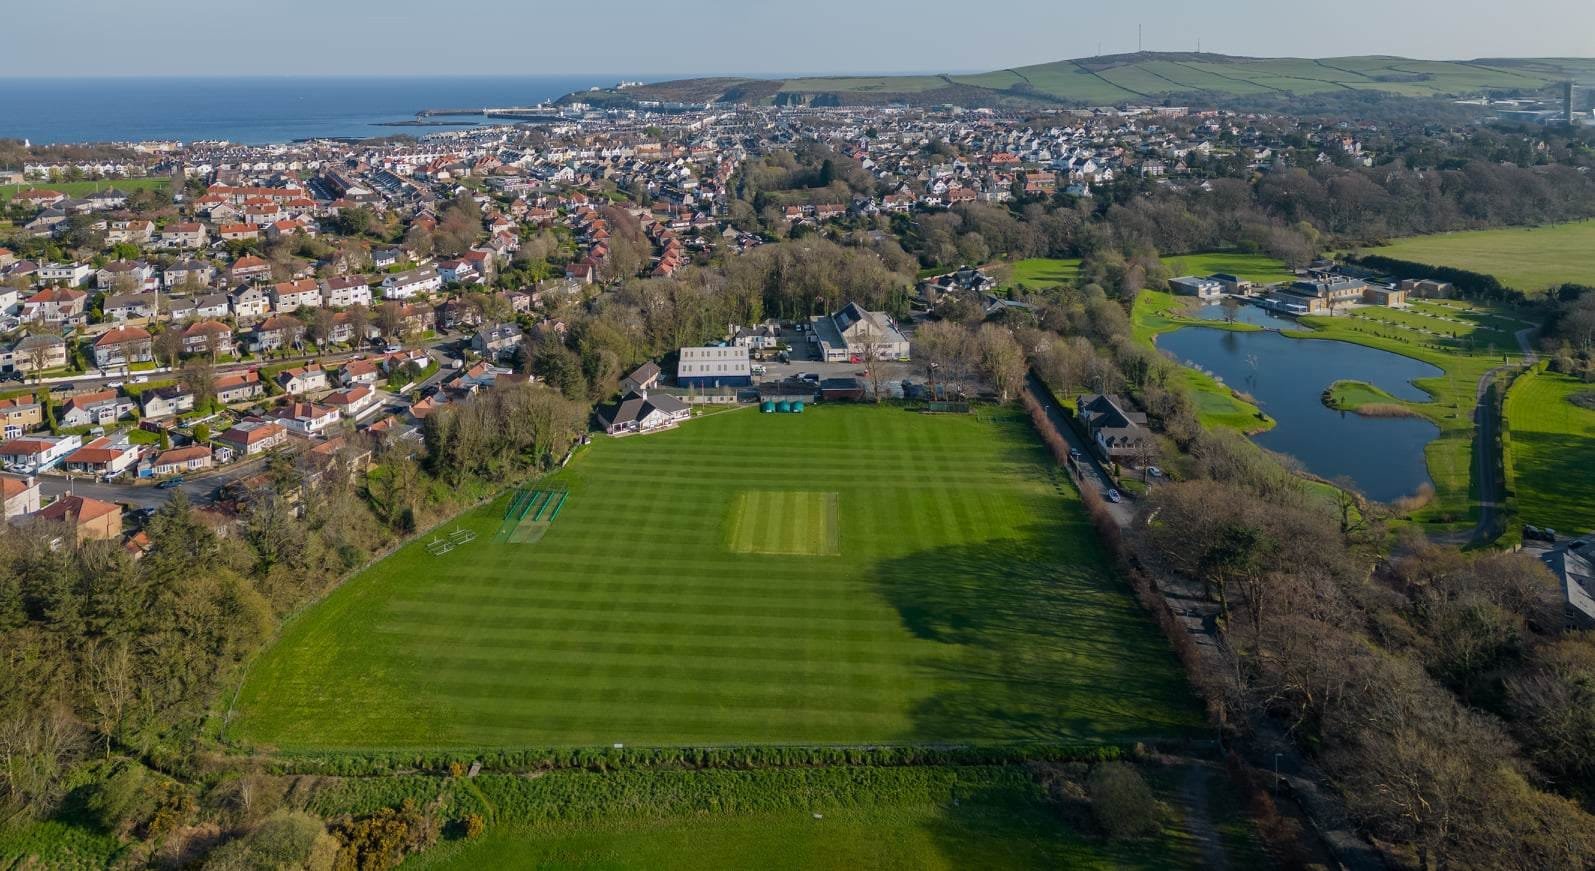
(1194, 789)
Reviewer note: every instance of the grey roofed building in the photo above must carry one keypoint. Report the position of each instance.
(641, 379)
(1570, 562)
(854, 331)
(641, 412)
(1117, 433)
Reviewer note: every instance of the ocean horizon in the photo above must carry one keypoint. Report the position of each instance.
(256, 110)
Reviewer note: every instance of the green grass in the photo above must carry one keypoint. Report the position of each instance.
(1259, 268)
(79, 188)
(54, 844)
(969, 601)
(1040, 272)
(1552, 451)
(1529, 259)
(784, 523)
(986, 819)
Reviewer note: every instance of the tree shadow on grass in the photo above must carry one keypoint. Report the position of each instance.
(1037, 641)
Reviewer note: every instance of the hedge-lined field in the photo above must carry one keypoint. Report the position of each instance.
(1526, 258)
(969, 601)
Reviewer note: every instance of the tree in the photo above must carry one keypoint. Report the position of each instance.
(1001, 359)
(1121, 802)
(200, 378)
(1231, 308)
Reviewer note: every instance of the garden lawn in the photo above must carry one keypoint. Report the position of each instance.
(1259, 268)
(968, 601)
(1552, 451)
(1527, 258)
(1040, 272)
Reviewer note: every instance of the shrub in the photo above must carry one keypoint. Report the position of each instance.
(285, 839)
(1122, 802)
(474, 826)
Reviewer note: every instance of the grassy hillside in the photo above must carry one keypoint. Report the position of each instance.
(1134, 77)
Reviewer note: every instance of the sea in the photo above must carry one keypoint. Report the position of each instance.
(257, 111)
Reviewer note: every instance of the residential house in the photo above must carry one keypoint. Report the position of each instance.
(235, 387)
(213, 306)
(759, 338)
(253, 436)
(357, 372)
(20, 414)
(168, 401)
(248, 268)
(302, 379)
(135, 232)
(641, 380)
(88, 519)
(641, 413)
(20, 495)
(187, 274)
(1118, 435)
(498, 340)
(1574, 566)
(308, 419)
(123, 346)
(275, 333)
(184, 235)
(126, 307)
(31, 454)
(404, 285)
(354, 402)
(128, 276)
(291, 296)
(95, 408)
(103, 457)
(250, 302)
(56, 305)
(178, 461)
(208, 337)
(346, 291)
(458, 272)
(37, 353)
(65, 274)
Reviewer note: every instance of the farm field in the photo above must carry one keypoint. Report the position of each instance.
(1040, 272)
(967, 600)
(79, 188)
(1527, 258)
(1552, 451)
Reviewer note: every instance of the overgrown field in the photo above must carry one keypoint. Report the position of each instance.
(1527, 258)
(1552, 451)
(967, 600)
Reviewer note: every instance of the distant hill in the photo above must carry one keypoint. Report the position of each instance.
(1127, 78)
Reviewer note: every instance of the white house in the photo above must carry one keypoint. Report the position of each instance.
(404, 285)
(346, 291)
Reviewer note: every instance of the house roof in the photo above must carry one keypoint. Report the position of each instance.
(77, 509)
(119, 335)
(11, 487)
(182, 455)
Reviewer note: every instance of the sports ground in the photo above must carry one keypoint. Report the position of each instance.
(850, 575)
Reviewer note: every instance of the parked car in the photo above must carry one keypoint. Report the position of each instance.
(1154, 471)
(170, 483)
(1074, 454)
(114, 385)
(1113, 496)
(810, 377)
(139, 379)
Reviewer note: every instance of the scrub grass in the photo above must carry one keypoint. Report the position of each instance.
(969, 601)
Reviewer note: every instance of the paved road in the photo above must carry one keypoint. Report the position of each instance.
(1095, 474)
(197, 489)
(1487, 461)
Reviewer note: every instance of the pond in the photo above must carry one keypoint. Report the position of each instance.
(1287, 377)
(1247, 313)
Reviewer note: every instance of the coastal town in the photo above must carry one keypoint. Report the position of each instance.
(203, 305)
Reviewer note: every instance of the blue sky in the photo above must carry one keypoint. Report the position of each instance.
(537, 37)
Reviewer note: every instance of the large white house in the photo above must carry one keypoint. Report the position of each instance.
(404, 285)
